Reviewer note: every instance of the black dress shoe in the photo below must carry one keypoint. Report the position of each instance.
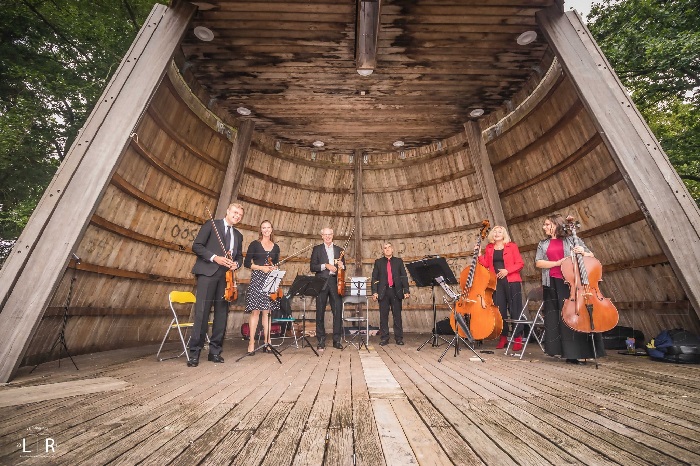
(215, 358)
(573, 361)
(193, 362)
(400, 343)
(383, 343)
(337, 345)
(251, 353)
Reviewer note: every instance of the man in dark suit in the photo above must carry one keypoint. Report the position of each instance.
(325, 263)
(210, 269)
(389, 286)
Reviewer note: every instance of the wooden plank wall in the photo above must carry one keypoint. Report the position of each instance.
(137, 247)
(550, 158)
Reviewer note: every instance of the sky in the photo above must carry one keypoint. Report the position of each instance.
(582, 6)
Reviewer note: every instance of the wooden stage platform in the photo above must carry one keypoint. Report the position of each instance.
(391, 405)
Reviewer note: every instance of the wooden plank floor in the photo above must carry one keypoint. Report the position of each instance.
(391, 406)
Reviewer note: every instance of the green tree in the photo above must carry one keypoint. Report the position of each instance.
(56, 57)
(654, 46)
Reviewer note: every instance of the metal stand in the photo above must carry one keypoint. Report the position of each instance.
(266, 344)
(434, 337)
(61, 338)
(464, 326)
(306, 285)
(424, 273)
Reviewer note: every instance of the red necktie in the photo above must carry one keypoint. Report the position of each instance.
(388, 272)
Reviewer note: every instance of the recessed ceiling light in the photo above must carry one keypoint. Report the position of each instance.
(398, 143)
(318, 144)
(526, 37)
(243, 111)
(203, 33)
(476, 113)
(365, 72)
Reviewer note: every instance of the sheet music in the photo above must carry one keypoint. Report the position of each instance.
(446, 288)
(273, 281)
(358, 286)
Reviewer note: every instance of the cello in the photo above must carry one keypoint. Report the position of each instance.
(477, 285)
(231, 291)
(586, 309)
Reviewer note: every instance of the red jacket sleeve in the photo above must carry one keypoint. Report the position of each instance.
(515, 263)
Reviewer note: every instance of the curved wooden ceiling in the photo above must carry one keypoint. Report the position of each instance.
(292, 63)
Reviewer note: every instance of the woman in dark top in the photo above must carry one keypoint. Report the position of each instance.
(503, 259)
(559, 339)
(256, 300)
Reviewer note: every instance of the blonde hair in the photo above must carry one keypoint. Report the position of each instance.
(236, 204)
(506, 236)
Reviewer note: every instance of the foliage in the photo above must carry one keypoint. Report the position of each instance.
(654, 46)
(56, 56)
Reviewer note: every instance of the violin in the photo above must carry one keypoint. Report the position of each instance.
(477, 284)
(231, 291)
(277, 295)
(341, 272)
(586, 309)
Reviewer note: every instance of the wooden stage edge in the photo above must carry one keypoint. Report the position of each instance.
(390, 405)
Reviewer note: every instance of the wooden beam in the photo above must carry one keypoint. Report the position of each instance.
(658, 190)
(60, 219)
(236, 165)
(484, 173)
(367, 32)
(359, 161)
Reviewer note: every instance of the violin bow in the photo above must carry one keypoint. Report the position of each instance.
(294, 255)
(216, 230)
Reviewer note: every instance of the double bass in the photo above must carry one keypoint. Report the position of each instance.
(586, 309)
(477, 285)
(231, 291)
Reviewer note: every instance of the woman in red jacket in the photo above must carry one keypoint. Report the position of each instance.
(502, 258)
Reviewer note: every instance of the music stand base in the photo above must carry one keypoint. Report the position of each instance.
(434, 341)
(455, 342)
(63, 347)
(267, 345)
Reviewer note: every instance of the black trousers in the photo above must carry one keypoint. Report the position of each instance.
(329, 291)
(210, 292)
(390, 300)
(559, 339)
(509, 299)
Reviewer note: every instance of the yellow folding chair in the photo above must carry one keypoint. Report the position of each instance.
(178, 297)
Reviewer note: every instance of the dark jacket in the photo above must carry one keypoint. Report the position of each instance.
(380, 279)
(319, 257)
(206, 245)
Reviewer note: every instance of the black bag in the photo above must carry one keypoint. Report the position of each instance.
(443, 327)
(675, 345)
(616, 338)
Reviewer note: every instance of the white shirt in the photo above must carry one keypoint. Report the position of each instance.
(331, 256)
(223, 238)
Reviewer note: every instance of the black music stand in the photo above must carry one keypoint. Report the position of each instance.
(424, 272)
(306, 285)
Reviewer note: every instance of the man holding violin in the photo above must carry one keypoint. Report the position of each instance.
(325, 262)
(219, 248)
